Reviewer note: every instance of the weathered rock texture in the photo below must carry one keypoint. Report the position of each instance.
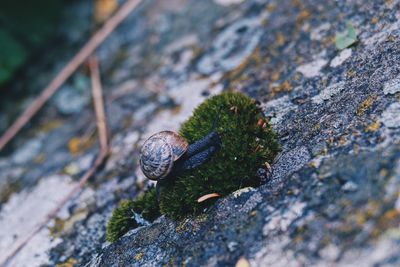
(334, 195)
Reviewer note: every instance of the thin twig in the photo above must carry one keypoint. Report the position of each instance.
(68, 70)
(97, 93)
(104, 149)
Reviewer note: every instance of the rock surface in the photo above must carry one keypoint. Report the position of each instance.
(334, 195)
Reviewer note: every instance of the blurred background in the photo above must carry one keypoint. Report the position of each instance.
(25, 27)
(37, 38)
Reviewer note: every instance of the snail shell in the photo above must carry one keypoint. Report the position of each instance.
(159, 153)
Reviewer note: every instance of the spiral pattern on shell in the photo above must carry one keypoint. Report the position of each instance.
(159, 153)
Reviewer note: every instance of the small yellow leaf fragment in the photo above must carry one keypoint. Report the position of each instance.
(208, 196)
(71, 262)
(139, 256)
(242, 262)
(72, 169)
(280, 39)
(50, 125)
(77, 145)
(104, 9)
(365, 105)
(74, 145)
(373, 127)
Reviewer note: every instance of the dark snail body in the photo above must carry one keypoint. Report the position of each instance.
(198, 153)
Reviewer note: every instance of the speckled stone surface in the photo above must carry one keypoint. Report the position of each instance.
(334, 195)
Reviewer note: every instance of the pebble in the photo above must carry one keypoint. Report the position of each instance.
(145, 111)
(28, 151)
(328, 92)
(318, 148)
(350, 186)
(312, 69)
(69, 101)
(320, 32)
(390, 117)
(232, 46)
(392, 86)
(228, 2)
(73, 97)
(277, 109)
(166, 101)
(339, 59)
(232, 246)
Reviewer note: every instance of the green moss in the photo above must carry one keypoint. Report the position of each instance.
(246, 146)
(147, 205)
(247, 143)
(122, 219)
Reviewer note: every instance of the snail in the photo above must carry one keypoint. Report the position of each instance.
(166, 155)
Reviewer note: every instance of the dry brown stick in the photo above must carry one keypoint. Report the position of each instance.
(68, 70)
(102, 131)
(97, 93)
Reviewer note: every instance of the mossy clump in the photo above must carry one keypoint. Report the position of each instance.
(122, 219)
(248, 142)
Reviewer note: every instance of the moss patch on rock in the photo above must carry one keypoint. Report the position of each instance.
(122, 219)
(248, 142)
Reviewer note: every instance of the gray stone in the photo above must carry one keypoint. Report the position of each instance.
(28, 151)
(232, 46)
(69, 101)
(392, 86)
(332, 198)
(390, 117)
(350, 186)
